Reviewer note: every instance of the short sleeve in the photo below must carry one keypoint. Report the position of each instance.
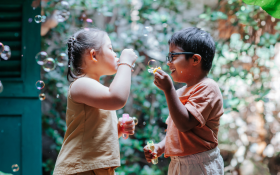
(199, 103)
(167, 120)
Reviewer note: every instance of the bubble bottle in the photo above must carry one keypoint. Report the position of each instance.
(125, 117)
(151, 146)
(153, 66)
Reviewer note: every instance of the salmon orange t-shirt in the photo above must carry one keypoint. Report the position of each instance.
(204, 101)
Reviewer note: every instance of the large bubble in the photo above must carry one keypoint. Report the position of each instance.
(62, 59)
(49, 64)
(153, 64)
(6, 54)
(62, 11)
(40, 57)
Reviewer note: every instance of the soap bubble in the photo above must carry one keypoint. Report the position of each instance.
(15, 167)
(40, 57)
(40, 84)
(43, 19)
(147, 30)
(89, 22)
(49, 64)
(135, 120)
(1, 87)
(42, 96)
(1, 47)
(38, 18)
(153, 64)
(62, 11)
(6, 54)
(62, 59)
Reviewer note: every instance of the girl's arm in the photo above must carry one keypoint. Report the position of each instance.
(92, 93)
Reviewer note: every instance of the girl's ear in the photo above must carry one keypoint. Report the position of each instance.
(196, 59)
(92, 55)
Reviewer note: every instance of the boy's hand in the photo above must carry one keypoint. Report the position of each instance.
(128, 127)
(149, 155)
(163, 80)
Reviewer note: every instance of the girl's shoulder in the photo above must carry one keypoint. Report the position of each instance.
(83, 85)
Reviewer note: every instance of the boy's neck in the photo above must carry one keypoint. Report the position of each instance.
(196, 79)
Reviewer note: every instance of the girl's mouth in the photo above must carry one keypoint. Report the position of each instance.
(172, 71)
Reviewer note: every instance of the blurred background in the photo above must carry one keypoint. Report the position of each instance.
(246, 67)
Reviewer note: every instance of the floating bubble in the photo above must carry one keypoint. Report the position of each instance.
(153, 64)
(1, 47)
(40, 84)
(6, 54)
(62, 59)
(146, 31)
(1, 87)
(38, 18)
(57, 95)
(40, 57)
(62, 11)
(135, 120)
(43, 19)
(144, 123)
(89, 21)
(49, 64)
(15, 167)
(42, 96)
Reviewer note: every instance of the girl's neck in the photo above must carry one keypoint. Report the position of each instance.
(93, 76)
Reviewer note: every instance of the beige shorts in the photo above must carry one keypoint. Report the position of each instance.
(205, 163)
(103, 171)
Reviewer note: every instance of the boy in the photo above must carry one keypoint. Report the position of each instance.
(195, 109)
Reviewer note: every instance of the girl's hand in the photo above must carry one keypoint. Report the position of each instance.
(149, 155)
(128, 127)
(163, 81)
(128, 56)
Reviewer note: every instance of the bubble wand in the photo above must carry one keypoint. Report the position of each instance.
(151, 146)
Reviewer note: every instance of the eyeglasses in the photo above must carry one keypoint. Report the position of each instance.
(169, 57)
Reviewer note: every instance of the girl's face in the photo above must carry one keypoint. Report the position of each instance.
(108, 57)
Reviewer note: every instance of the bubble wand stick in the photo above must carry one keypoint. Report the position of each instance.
(151, 146)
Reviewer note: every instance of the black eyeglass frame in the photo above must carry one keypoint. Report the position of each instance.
(170, 58)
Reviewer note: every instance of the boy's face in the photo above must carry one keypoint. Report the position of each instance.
(182, 69)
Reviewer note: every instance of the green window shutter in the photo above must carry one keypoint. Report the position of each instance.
(20, 108)
(10, 34)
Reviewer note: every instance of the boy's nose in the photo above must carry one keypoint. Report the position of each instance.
(168, 63)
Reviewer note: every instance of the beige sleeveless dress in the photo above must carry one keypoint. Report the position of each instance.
(91, 140)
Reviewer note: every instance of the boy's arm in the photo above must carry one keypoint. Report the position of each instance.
(181, 117)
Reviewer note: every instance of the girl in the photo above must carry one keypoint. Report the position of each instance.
(90, 143)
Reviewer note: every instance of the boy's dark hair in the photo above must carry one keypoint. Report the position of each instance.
(197, 41)
(82, 40)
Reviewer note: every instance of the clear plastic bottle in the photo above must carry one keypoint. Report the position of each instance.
(125, 117)
(151, 146)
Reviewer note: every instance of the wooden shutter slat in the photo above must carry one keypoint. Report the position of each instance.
(10, 36)
(10, 26)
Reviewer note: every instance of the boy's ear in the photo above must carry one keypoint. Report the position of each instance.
(196, 59)
(93, 55)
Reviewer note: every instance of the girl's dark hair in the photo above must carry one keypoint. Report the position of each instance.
(198, 41)
(81, 41)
